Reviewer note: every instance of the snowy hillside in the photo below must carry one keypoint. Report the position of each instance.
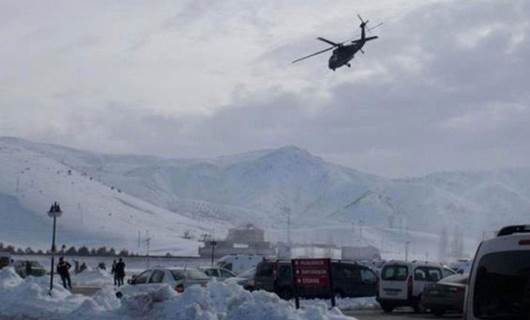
(258, 187)
(94, 214)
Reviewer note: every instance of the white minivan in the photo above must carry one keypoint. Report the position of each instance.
(499, 283)
(402, 283)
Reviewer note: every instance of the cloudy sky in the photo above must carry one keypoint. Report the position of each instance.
(445, 87)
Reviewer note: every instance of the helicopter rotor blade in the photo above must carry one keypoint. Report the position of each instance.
(372, 28)
(330, 42)
(313, 54)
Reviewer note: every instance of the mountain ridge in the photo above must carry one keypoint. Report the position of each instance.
(256, 186)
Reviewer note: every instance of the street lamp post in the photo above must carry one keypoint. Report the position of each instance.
(213, 243)
(54, 212)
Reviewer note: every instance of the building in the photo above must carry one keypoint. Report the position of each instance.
(368, 253)
(247, 239)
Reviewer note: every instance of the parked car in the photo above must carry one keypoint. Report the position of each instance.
(402, 283)
(499, 282)
(26, 268)
(238, 263)
(177, 278)
(447, 295)
(217, 272)
(349, 280)
(245, 279)
(5, 259)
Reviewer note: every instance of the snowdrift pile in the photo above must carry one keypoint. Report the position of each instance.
(365, 303)
(92, 277)
(219, 301)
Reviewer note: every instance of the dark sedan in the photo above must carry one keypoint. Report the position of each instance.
(447, 295)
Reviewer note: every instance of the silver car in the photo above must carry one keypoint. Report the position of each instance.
(177, 278)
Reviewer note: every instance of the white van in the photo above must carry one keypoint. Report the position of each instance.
(499, 283)
(238, 263)
(402, 283)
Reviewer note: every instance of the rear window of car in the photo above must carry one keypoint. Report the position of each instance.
(177, 274)
(429, 274)
(502, 286)
(457, 278)
(395, 273)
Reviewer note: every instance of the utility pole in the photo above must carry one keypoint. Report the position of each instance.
(361, 230)
(147, 246)
(54, 212)
(287, 212)
(213, 243)
(407, 243)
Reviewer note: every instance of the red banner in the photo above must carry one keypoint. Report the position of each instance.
(314, 273)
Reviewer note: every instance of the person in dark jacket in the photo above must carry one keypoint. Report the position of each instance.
(114, 273)
(63, 269)
(29, 269)
(120, 271)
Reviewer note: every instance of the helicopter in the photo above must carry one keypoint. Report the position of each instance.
(343, 52)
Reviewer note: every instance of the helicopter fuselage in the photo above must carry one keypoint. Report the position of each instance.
(343, 55)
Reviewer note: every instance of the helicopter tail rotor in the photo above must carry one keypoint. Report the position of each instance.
(363, 23)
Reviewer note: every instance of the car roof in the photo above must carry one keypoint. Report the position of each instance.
(415, 263)
(511, 242)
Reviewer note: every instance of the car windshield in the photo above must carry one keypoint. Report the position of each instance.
(457, 278)
(395, 273)
(248, 274)
(502, 286)
(197, 275)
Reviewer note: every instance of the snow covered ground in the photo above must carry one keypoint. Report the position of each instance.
(29, 298)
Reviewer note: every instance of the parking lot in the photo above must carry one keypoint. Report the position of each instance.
(398, 315)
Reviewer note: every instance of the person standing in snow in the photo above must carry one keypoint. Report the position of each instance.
(63, 269)
(120, 271)
(28, 269)
(114, 273)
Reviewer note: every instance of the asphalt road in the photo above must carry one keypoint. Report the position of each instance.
(398, 315)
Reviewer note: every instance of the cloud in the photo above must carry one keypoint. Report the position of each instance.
(445, 86)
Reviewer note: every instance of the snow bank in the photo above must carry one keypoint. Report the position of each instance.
(365, 303)
(223, 301)
(30, 297)
(96, 277)
(219, 301)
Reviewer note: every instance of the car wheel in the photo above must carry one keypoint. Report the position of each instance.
(387, 308)
(438, 312)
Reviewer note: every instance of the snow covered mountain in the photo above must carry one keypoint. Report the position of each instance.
(95, 214)
(259, 187)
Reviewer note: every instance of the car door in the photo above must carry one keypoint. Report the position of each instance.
(157, 277)
(368, 285)
(393, 284)
(264, 278)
